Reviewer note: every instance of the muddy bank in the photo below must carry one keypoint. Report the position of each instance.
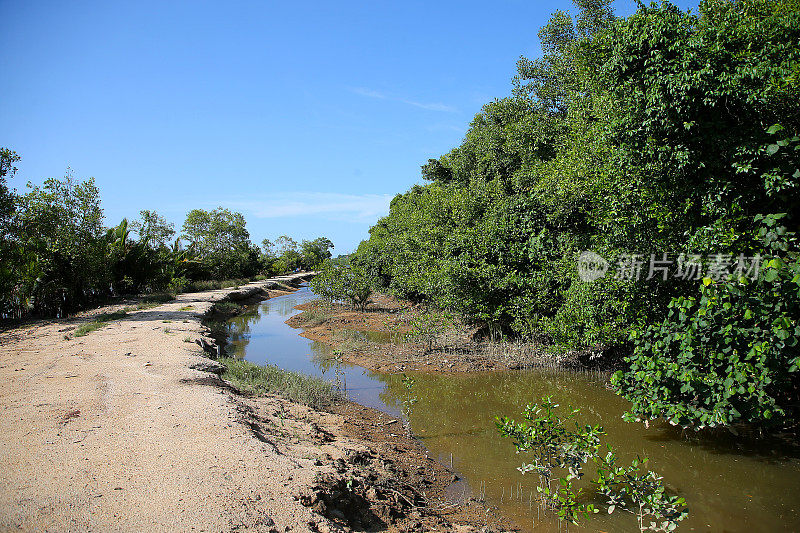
(457, 350)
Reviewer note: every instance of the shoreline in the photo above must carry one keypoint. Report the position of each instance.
(456, 352)
(130, 427)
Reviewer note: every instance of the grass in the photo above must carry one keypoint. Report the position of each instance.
(211, 285)
(348, 340)
(269, 379)
(99, 321)
(313, 318)
(228, 308)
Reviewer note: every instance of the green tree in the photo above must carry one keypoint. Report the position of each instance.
(153, 229)
(9, 248)
(219, 238)
(314, 253)
(61, 235)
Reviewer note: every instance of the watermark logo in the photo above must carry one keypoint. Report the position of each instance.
(635, 267)
(591, 266)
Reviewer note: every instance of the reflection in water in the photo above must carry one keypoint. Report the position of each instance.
(260, 335)
(727, 488)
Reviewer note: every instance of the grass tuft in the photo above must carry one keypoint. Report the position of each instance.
(99, 321)
(269, 379)
(313, 318)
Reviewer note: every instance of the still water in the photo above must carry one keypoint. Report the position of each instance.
(729, 487)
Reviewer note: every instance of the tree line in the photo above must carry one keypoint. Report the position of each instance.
(665, 136)
(56, 255)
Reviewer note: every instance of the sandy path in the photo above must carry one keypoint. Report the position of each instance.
(112, 431)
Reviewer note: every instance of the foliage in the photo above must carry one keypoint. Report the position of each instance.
(56, 257)
(642, 493)
(9, 253)
(314, 253)
(544, 436)
(409, 401)
(635, 135)
(662, 132)
(221, 240)
(730, 355)
(153, 229)
(60, 239)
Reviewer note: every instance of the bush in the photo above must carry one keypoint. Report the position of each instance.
(343, 280)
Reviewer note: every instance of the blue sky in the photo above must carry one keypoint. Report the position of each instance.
(307, 117)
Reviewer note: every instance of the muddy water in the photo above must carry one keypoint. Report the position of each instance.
(730, 487)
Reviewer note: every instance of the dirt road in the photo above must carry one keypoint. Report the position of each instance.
(115, 431)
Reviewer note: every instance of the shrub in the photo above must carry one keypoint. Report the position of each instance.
(343, 280)
(555, 448)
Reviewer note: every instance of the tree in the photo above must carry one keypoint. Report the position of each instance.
(314, 253)
(9, 249)
(221, 241)
(286, 244)
(343, 280)
(61, 235)
(153, 229)
(7, 170)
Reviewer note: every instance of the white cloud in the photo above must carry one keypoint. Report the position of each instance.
(433, 106)
(334, 206)
(363, 91)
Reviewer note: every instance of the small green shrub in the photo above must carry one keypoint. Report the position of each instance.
(556, 449)
(428, 326)
(343, 280)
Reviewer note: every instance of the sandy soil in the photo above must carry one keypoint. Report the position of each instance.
(130, 429)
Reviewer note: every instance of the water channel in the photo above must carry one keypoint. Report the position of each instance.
(729, 486)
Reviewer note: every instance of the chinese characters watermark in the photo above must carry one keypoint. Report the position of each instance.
(663, 266)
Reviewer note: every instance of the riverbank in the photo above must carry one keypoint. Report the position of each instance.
(378, 341)
(129, 427)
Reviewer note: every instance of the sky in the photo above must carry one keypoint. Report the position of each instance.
(306, 117)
